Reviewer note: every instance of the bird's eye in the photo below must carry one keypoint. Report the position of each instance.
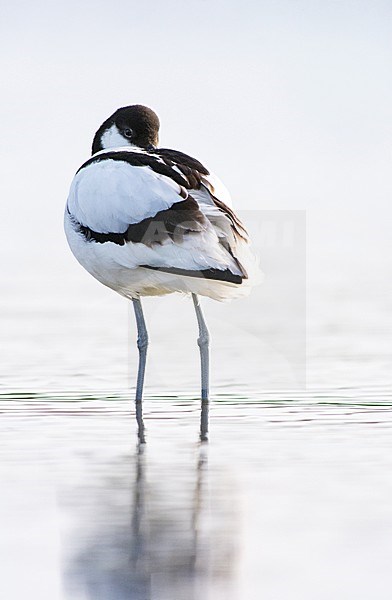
(128, 133)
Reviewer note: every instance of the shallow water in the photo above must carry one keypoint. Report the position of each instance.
(291, 498)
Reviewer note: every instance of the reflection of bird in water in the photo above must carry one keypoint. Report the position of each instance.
(147, 221)
(162, 546)
(167, 554)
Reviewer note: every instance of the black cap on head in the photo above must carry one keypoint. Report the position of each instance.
(137, 124)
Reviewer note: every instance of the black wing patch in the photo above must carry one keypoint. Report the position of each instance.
(180, 158)
(180, 219)
(189, 166)
(188, 172)
(236, 223)
(215, 274)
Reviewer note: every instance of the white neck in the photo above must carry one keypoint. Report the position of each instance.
(112, 138)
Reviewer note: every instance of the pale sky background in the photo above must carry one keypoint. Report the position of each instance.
(289, 102)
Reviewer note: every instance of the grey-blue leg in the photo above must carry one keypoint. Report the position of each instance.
(203, 343)
(142, 344)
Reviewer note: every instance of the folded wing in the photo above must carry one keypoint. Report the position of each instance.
(142, 208)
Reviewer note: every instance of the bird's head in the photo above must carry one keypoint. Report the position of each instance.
(134, 125)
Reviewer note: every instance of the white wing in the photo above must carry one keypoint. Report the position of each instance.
(108, 196)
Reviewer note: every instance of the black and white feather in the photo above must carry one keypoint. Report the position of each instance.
(149, 221)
